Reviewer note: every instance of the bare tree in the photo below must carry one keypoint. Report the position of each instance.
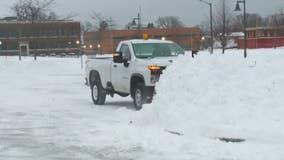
(102, 23)
(169, 22)
(70, 16)
(222, 23)
(87, 26)
(32, 10)
(205, 26)
(277, 19)
(52, 16)
(150, 25)
(253, 20)
(128, 25)
(277, 22)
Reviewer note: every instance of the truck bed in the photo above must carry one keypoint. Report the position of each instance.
(102, 64)
(108, 56)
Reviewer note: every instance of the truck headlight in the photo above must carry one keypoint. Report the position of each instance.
(156, 71)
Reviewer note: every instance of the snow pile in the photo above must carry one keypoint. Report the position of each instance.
(213, 96)
(46, 110)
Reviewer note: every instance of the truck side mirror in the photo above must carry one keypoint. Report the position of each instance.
(117, 57)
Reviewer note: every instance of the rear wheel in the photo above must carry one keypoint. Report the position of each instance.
(98, 92)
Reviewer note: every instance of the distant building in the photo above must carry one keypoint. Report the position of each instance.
(107, 41)
(38, 37)
(263, 37)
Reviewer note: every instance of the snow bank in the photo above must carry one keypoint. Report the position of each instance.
(218, 95)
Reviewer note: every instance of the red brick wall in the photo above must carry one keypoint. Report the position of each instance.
(48, 36)
(262, 42)
(110, 39)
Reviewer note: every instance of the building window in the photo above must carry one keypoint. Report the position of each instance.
(135, 37)
(118, 38)
(62, 32)
(184, 35)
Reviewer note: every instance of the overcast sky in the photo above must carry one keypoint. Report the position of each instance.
(191, 12)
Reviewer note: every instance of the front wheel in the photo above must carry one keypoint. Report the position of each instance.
(138, 96)
(98, 93)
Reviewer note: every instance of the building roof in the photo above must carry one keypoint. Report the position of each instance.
(13, 21)
(264, 28)
(148, 41)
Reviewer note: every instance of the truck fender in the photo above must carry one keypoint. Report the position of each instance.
(135, 79)
(94, 75)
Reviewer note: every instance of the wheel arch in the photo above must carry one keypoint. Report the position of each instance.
(94, 74)
(100, 96)
(135, 79)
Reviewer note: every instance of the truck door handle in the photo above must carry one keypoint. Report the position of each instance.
(114, 65)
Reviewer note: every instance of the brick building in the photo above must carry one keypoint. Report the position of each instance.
(107, 41)
(39, 37)
(263, 37)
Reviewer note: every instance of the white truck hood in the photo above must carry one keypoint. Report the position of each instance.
(158, 61)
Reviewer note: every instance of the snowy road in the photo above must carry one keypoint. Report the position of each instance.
(47, 113)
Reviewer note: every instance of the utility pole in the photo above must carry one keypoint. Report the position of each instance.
(139, 24)
(245, 24)
(211, 28)
(211, 24)
(138, 18)
(224, 28)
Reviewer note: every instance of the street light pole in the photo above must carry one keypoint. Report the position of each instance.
(245, 31)
(211, 24)
(211, 28)
(1, 47)
(138, 18)
(245, 24)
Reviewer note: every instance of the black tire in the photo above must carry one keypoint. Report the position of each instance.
(98, 92)
(138, 96)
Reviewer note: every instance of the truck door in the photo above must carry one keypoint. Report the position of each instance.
(120, 74)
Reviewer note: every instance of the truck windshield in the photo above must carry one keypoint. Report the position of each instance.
(152, 50)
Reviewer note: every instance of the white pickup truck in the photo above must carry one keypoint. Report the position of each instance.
(133, 70)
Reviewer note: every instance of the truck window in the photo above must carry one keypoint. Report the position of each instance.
(146, 50)
(126, 54)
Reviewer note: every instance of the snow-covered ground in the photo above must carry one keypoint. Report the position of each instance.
(46, 111)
